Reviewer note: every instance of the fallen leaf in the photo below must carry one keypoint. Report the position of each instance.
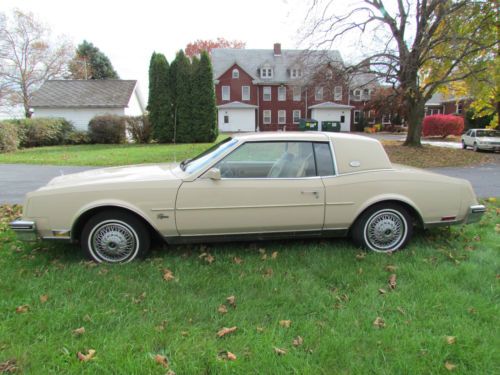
(44, 298)
(231, 356)
(8, 366)
(280, 351)
(209, 259)
(285, 323)
(298, 341)
(231, 300)
(360, 256)
(260, 329)
(379, 322)
(268, 272)
(382, 291)
(22, 309)
(401, 310)
(237, 260)
(139, 298)
(390, 268)
(170, 372)
(87, 318)
(184, 333)
(360, 271)
(222, 309)
(274, 255)
(161, 326)
(86, 357)
(161, 360)
(225, 331)
(450, 366)
(226, 356)
(168, 275)
(103, 271)
(262, 251)
(79, 331)
(451, 339)
(392, 281)
(263, 257)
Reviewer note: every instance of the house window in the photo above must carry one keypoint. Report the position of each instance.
(329, 74)
(460, 108)
(282, 93)
(366, 94)
(296, 116)
(342, 119)
(318, 93)
(371, 116)
(236, 73)
(245, 92)
(266, 73)
(267, 94)
(296, 93)
(386, 119)
(356, 94)
(337, 93)
(357, 115)
(226, 119)
(281, 116)
(267, 116)
(296, 73)
(225, 93)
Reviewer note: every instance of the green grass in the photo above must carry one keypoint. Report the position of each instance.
(447, 285)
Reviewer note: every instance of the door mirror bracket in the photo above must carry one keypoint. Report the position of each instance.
(212, 174)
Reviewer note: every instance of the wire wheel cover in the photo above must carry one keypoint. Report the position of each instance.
(385, 230)
(114, 241)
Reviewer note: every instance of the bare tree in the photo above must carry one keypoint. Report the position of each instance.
(420, 45)
(28, 57)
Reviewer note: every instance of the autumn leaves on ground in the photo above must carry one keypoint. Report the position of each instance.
(305, 307)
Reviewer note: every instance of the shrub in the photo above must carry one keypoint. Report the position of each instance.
(43, 131)
(139, 128)
(107, 129)
(9, 140)
(442, 125)
(78, 138)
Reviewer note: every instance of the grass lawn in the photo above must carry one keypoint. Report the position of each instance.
(443, 313)
(110, 155)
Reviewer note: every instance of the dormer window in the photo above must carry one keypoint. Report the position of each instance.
(329, 74)
(236, 73)
(266, 73)
(295, 73)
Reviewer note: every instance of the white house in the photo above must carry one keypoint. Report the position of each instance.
(329, 111)
(79, 101)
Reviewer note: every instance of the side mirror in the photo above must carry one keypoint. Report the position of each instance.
(213, 174)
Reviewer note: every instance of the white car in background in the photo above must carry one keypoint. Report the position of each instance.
(482, 139)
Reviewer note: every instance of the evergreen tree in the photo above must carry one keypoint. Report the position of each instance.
(90, 63)
(160, 102)
(182, 100)
(203, 101)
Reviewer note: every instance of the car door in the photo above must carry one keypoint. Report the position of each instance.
(265, 187)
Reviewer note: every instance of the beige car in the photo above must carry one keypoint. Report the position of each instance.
(257, 186)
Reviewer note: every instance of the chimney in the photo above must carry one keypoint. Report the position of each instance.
(277, 49)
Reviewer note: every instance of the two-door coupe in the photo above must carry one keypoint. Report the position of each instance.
(256, 186)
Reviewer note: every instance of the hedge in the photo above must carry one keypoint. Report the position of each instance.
(9, 140)
(442, 125)
(139, 128)
(107, 129)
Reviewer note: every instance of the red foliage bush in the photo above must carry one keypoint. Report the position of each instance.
(442, 125)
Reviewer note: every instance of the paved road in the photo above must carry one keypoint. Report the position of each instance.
(18, 179)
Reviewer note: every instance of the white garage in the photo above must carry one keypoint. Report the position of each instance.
(330, 111)
(236, 117)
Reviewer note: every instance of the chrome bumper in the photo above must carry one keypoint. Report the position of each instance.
(475, 213)
(25, 230)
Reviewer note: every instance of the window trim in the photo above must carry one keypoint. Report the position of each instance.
(264, 93)
(264, 117)
(224, 119)
(237, 75)
(298, 118)
(228, 92)
(337, 95)
(358, 96)
(318, 89)
(299, 97)
(284, 122)
(242, 95)
(354, 116)
(282, 98)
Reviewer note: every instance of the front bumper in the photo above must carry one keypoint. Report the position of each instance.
(25, 230)
(475, 213)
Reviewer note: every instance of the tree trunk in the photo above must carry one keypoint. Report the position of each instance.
(415, 117)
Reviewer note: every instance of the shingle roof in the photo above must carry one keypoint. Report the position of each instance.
(253, 59)
(109, 93)
(330, 105)
(235, 105)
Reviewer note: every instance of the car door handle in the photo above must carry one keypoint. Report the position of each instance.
(314, 192)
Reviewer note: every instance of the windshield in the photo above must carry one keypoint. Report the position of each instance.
(487, 133)
(203, 159)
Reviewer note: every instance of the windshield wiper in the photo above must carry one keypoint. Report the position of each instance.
(184, 163)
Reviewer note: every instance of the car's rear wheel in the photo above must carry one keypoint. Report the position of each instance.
(115, 237)
(464, 146)
(383, 228)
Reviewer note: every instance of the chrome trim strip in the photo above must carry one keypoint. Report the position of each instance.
(340, 203)
(250, 233)
(161, 209)
(65, 238)
(358, 172)
(22, 225)
(255, 206)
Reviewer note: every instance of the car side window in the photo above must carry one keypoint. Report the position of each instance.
(269, 160)
(324, 160)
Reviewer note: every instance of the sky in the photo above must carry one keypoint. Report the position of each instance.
(129, 31)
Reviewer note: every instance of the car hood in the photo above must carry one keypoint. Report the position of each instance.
(126, 174)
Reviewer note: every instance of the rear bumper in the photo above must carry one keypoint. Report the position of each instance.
(475, 213)
(25, 230)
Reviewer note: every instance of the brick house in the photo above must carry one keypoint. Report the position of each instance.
(259, 89)
(440, 104)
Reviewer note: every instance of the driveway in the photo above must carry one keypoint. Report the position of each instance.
(18, 179)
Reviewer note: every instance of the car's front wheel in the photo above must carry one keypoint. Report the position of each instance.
(383, 228)
(475, 148)
(115, 237)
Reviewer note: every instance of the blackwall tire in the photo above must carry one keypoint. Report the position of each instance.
(383, 228)
(115, 237)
